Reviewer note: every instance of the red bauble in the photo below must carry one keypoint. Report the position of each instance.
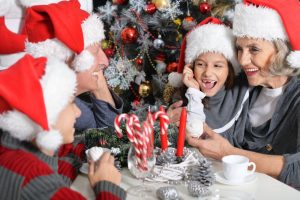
(150, 8)
(119, 2)
(129, 35)
(160, 57)
(204, 7)
(139, 61)
(172, 67)
(109, 52)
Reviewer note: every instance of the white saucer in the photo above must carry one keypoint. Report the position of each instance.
(84, 168)
(221, 179)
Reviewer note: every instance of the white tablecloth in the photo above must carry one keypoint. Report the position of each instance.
(264, 188)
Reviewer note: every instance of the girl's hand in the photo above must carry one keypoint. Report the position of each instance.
(188, 77)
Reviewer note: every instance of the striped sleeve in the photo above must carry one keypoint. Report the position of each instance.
(108, 190)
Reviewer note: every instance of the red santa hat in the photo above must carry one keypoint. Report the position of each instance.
(32, 94)
(61, 28)
(270, 20)
(12, 44)
(210, 35)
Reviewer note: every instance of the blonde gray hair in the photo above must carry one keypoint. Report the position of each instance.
(279, 65)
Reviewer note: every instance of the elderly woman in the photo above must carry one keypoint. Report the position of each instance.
(268, 130)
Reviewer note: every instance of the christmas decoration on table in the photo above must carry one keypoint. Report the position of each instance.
(140, 31)
(196, 189)
(167, 193)
(138, 134)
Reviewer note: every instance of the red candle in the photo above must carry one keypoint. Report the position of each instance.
(181, 133)
(163, 132)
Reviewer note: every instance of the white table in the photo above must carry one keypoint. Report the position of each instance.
(264, 188)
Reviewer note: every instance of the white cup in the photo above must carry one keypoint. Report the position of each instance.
(235, 167)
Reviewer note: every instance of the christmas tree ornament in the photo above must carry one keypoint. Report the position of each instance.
(104, 44)
(109, 52)
(172, 67)
(119, 2)
(139, 61)
(160, 67)
(145, 89)
(129, 35)
(161, 3)
(167, 193)
(204, 7)
(158, 43)
(168, 93)
(160, 63)
(178, 22)
(150, 8)
(188, 23)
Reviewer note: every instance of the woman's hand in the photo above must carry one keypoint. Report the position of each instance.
(188, 77)
(104, 170)
(213, 146)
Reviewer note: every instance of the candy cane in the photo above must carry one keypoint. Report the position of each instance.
(165, 124)
(117, 123)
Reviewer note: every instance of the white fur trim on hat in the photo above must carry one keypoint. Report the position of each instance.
(93, 30)
(83, 61)
(258, 22)
(59, 85)
(211, 38)
(48, 48)
(175, 79)
(49, 140)
(18, 125)
(293, 59)
(29, 3)
(5, 6)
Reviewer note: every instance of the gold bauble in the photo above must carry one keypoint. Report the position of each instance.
(104, 44)
(161, 3)
(145, 89)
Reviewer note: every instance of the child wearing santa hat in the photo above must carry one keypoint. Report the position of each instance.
(63, 30)
(37, 115)
(209, 52)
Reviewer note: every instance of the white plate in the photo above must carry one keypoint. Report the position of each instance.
(221, 179)
(84, 168)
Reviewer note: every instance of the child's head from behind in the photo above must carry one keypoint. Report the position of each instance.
(42, 109)
(210, 48)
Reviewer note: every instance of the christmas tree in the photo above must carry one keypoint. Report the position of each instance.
(143, 41)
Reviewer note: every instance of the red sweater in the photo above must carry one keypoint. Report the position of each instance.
(27, 173)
